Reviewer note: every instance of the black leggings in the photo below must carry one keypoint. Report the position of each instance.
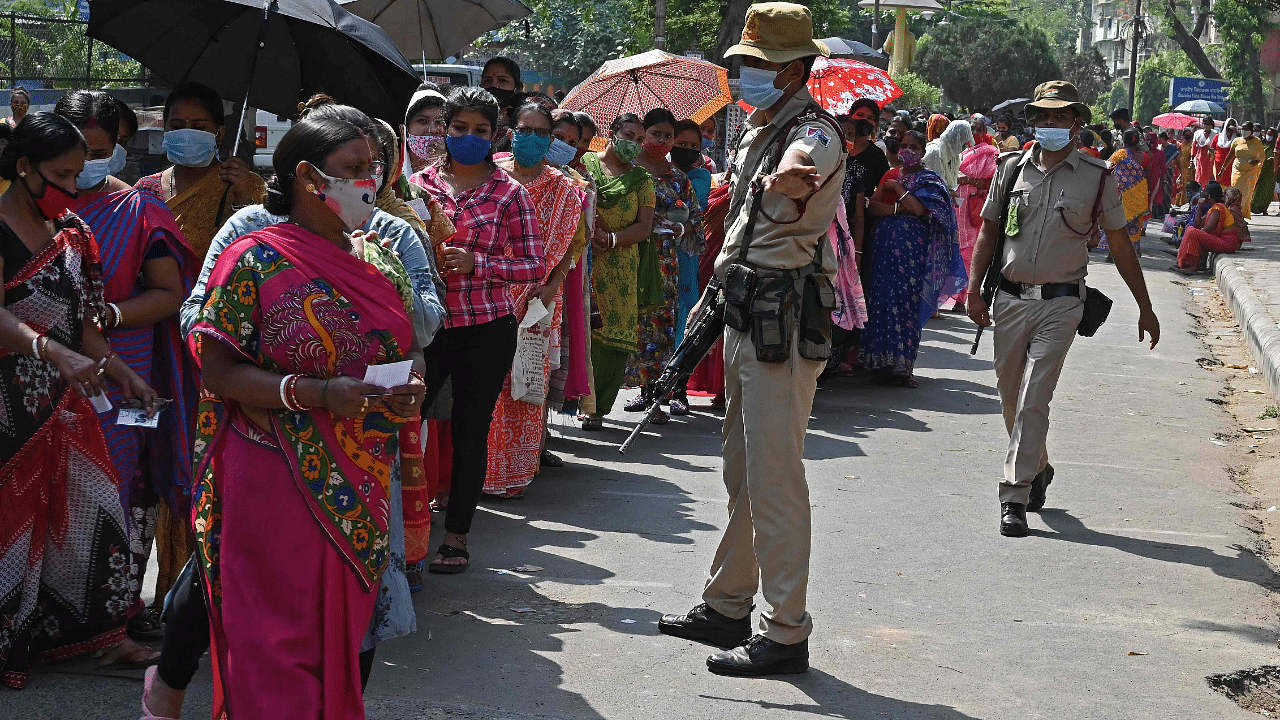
(478, 357)
(186, 633)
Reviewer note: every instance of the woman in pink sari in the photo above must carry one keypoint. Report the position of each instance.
(977, 167)
(294, 451)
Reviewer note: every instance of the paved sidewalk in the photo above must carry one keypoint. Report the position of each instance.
(1250, 280)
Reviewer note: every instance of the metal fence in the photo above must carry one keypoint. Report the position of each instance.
(53, 52)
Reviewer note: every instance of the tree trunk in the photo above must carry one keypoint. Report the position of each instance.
(1189, 44)
(1256, 98)
(735, 17)
(1202, 19)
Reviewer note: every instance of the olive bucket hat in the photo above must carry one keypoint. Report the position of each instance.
(778, 32)
(1058, 94)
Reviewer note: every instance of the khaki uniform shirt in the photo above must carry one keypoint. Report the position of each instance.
(785, 245)
(1049, 204)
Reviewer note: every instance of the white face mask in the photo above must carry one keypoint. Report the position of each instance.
(351, 200)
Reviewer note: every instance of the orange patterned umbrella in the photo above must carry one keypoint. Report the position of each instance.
(689, 88)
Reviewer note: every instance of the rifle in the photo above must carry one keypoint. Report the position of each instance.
(991, 280)
(702, 330)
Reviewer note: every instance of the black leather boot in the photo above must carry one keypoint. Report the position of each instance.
(1040, 489)
(761, 656)
(702, 624)
(1013, 520)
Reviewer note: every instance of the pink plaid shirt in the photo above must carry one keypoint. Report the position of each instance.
(498, 222)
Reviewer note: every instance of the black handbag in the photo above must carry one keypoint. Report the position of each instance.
(1096, 309)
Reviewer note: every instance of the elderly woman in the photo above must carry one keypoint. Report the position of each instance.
(1246, 157)
(915, 264)
(1221, 229)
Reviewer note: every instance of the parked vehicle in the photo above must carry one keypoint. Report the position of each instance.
(269, 129)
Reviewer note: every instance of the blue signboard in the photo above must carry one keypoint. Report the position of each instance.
(83, 7)
(1182, 89)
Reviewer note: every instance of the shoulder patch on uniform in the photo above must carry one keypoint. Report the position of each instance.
(819, 134)
(1095, 161)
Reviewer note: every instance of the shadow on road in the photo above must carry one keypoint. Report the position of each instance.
(1244, 565)
(836, 698)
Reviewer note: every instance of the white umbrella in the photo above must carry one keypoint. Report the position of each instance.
(1199, 106)
(436, 29)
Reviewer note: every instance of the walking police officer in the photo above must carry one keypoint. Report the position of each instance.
(786, 179)
(1058, 198)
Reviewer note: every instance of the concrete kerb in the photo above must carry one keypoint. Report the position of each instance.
(1259, 327)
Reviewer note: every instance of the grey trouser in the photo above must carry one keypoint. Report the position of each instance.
(766, 543)
(1031, 342)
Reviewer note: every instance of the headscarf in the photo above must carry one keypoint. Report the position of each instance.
(943, 154)
(387, 200)
(937, 123)
(1235, 128)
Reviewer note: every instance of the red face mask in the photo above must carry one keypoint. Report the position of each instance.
(53, 201)
(657, 151)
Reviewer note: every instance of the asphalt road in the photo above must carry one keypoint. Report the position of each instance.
(921, 609)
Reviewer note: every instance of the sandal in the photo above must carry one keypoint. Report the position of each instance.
(550, 459)
(136, 659)
(149, 681)
(440, 504)
(592, 424)
(660, 418)
(449, 552)
(413, 573)
(146, 625)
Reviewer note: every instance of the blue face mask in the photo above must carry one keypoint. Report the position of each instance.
(94, 172)
(468, 149)
(529, 149)
(561, 153)
(757, 88)
(1053, 139)
(118, 159)
(192, 148)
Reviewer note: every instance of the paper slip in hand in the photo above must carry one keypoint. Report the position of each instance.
(390, 375)
(100, 403)
(136, 417)
(535, 314)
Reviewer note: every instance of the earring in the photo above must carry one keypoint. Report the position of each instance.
(22, 174)
(311, 188)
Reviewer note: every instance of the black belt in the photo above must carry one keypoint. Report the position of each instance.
(1048, 291)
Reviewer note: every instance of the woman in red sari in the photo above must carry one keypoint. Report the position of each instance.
(63, 532)
(516, 433)
(292, 471)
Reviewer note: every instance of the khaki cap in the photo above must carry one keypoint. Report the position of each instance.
(1058, 94)
(778, 32)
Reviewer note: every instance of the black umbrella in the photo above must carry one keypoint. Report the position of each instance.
(272, 53)
(854, 49)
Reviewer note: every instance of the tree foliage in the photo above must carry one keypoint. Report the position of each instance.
(60, 49)
(1151, 92)
(1244, 25)
(980, 62)
(571, 38)
(916, 92)
(1088, 72)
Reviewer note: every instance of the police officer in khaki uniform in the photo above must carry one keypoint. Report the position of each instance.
(1039, 304)
(786, 179)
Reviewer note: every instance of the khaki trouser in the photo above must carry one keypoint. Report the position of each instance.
(766, 543)
(1031, 342)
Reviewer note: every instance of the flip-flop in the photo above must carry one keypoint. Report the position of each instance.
(449, 551)
(134, 660)
(149, 681)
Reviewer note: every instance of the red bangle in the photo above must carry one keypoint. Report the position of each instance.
(290, 394)
(418, 376)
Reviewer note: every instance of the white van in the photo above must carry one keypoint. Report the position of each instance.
(268, 130)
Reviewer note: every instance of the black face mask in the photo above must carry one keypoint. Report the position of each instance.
(685, 158)
(502, 95)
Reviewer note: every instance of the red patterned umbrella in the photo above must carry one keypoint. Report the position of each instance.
(836, 83)
(1174, 120)
(689, 88)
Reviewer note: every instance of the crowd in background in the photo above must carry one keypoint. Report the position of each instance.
(239, 316)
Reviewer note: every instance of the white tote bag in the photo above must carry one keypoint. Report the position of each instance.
(529, 369)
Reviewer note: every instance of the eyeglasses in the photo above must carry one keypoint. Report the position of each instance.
(533, 131)
(377, 168)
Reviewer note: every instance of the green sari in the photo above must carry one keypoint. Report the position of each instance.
(613, 272)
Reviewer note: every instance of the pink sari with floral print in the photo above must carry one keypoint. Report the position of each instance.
(292, 520)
